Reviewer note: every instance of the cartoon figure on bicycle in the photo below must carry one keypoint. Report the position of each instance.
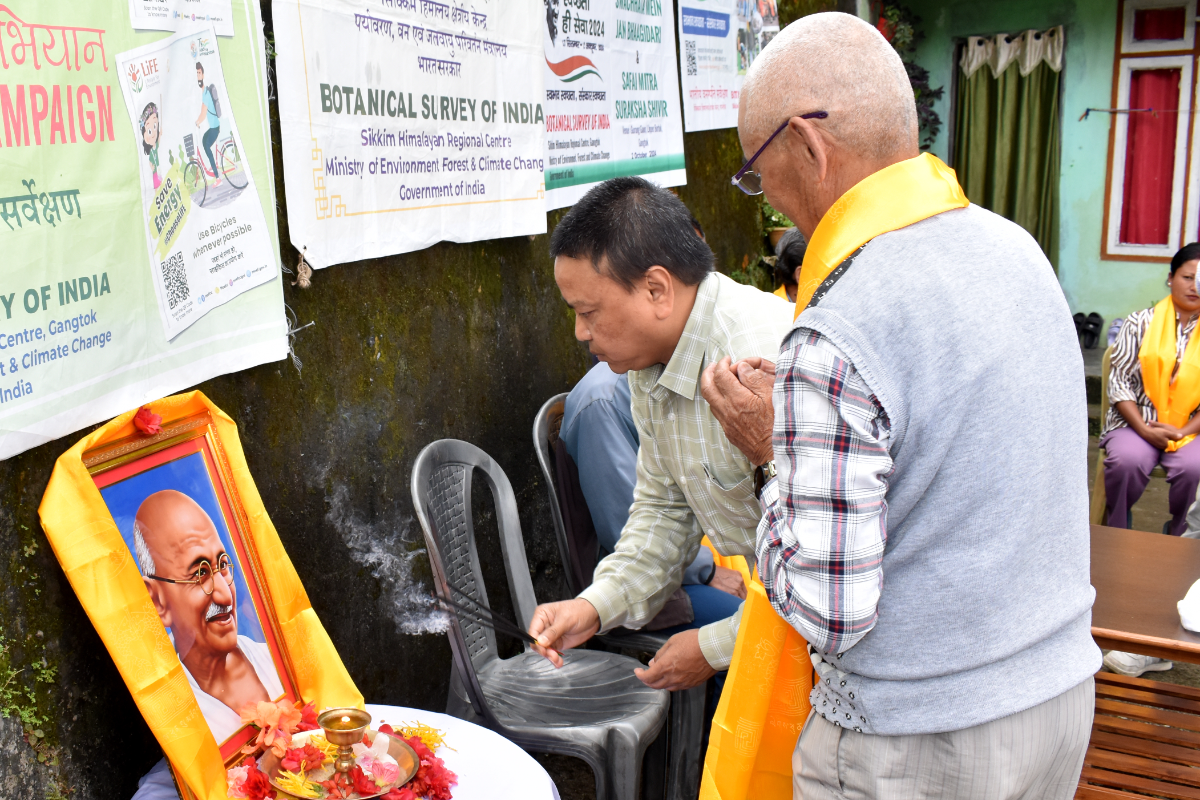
(224, 161)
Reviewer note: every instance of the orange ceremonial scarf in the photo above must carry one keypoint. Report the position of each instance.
(893, 198)
(765, 700)
(1175, 393)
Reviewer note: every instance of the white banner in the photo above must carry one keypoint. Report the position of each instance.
(205, 230)
(719, 40)
(409, 122)
(612, 95)
(175, 15)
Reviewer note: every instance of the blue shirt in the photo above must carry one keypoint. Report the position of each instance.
(211, 107)
(598, 430)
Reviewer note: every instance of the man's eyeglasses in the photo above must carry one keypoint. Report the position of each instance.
(748, 180)
(204, 574)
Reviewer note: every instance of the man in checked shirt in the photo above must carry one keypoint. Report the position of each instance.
(924, 532)
(648, 303)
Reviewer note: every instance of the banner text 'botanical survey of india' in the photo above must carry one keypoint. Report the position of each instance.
(409, 122)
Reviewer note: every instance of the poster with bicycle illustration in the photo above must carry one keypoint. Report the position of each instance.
(206, 234)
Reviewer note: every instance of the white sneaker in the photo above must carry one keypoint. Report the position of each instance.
(1133, 665)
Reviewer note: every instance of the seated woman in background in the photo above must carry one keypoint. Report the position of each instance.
(1154, 391)
(789, 255)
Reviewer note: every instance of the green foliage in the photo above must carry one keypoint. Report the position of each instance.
(899, 25)
(18, 699)
(759, 274)
(792, 10)
(772, 218)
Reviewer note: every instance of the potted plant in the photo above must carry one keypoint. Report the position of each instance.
(774, 224)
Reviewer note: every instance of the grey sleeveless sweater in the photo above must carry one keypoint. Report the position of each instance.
(959, 327)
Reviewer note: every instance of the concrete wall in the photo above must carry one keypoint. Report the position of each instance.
(463, 341)
(1111, 287)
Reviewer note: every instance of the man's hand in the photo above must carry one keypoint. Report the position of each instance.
(729, 581)
(740, 398)
(563, 625)
(678, 664)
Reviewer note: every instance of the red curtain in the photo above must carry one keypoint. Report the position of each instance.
(1159, 23)
(1150, 156)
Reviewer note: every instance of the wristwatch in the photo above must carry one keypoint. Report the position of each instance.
(761, 476)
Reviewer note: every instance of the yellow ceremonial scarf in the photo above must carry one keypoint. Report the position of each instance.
(765, 700)
(1175, 396)
(893, 198)
(104, 576)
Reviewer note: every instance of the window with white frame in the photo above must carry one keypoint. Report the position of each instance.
(1153, 191)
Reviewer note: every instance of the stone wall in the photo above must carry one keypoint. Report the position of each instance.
(461, 341)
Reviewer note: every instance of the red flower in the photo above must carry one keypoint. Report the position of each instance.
(388, 729)
(433, 781)
(337, 787)
(147, 422)
(305, 758)
(362, 784)
(308, 718)
(400, 793)
(257, 787)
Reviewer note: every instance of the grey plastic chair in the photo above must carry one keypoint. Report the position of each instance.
(594, 707)
(686, 730)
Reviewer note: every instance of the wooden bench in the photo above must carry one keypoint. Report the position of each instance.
(1145, 741)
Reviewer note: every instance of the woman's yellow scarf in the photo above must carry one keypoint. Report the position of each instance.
(1174, 392)
(893, 198)
(765, 700)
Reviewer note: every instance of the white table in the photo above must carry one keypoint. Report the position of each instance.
(489, 767)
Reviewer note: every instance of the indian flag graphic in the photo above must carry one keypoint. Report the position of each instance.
(573, 68)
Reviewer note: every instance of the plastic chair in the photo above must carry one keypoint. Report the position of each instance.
(686, 732)
(1099, 498)
(594, 707)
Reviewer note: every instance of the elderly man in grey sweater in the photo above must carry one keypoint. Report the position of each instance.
(923, 530)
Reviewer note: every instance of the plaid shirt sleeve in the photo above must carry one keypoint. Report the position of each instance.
(821, 538)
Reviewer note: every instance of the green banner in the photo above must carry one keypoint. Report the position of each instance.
(83, 325)
(594, 173)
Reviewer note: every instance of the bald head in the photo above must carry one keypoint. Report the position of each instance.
(836, 63)
(167, 523)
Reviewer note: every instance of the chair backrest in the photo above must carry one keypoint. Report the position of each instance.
(441, 490)
(1105, 369)
(547, 421)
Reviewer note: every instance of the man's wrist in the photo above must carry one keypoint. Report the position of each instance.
(762, 475)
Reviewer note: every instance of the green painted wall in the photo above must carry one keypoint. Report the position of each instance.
(1112, 288)
(459, 340)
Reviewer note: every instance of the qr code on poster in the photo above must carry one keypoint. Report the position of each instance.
(175, 280)
(689, 52)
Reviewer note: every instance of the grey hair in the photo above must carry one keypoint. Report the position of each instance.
(145, 561)
(837, 63)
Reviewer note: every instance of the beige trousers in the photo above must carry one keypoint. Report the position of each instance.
(1034, 755)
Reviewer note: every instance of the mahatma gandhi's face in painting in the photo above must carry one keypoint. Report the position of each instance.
(175, 540)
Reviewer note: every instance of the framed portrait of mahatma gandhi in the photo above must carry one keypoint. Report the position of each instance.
(163, 535)
(179, 519)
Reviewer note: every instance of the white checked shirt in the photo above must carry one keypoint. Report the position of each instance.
(822, 536)
(690, 480)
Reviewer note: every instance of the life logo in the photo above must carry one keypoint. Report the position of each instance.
(573, 68)
(134, 75)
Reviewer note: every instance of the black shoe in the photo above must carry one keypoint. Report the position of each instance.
(1091, 330)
